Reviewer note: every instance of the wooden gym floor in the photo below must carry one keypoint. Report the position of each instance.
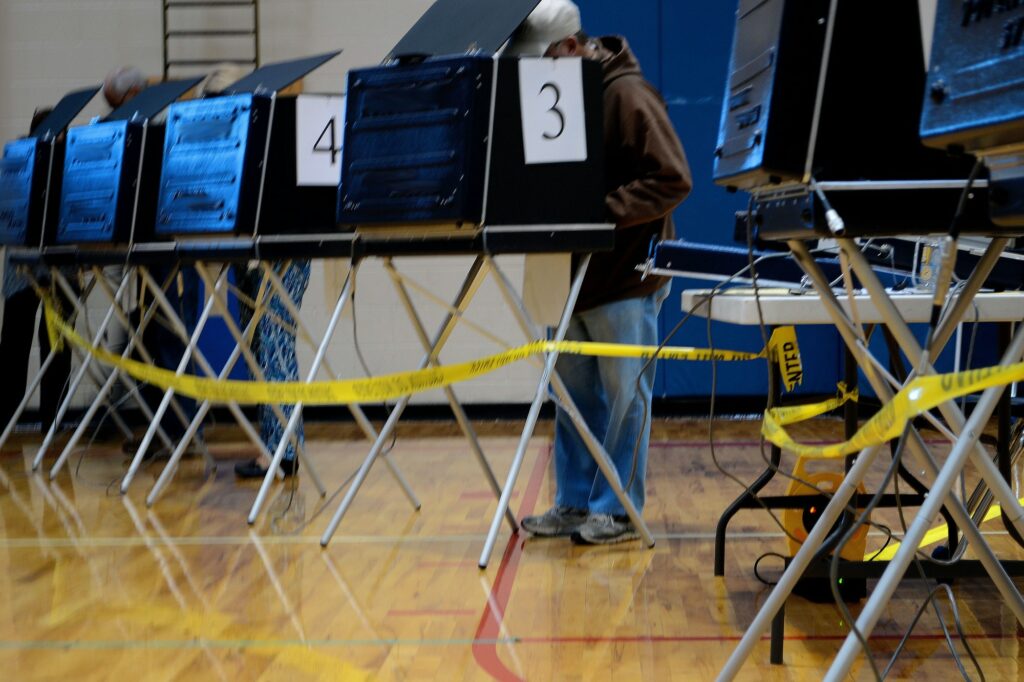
(95, 586)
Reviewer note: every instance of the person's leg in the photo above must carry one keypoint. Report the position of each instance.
(278, 359)
(15, 347)
(574, 467)
(633, 321)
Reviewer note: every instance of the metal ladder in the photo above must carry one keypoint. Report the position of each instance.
(244, 21)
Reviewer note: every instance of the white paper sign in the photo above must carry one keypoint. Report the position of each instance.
(319, 131)
(551, 99)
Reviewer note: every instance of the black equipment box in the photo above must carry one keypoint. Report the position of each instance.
(416, 150)
(438, 142)
(975, 94)
(974, 97)
(230, 162)
(111, 170)
(870, 106)
(30, 175)
(873, 212)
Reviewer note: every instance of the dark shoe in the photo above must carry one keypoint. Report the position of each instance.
(605, 529)
(253, 468)
(555, 522)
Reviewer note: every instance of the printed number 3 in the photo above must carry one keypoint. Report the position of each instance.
(555, 110)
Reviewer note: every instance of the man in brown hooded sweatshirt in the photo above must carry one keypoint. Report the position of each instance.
(647, 177)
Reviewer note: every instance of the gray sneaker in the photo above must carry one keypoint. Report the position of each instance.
(555, 522)
(605, 529)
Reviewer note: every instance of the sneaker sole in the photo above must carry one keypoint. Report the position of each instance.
(551, 534)
(579, 539)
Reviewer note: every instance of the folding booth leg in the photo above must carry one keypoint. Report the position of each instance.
(62, 411)
(534, 413)
(950, 412)
(44, 366)
(479, 268)
(293, 421)
(470, 285)
(190, 349)
(355, 410)
(134, 342)
(204, 408)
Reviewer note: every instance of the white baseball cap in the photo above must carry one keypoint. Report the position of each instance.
(550, 22)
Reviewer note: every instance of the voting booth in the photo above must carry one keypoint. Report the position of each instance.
(230, 162)
(866, 102)
(111, 169)
(31, 172)
(446, 135)
(974, 101)
(833, 101)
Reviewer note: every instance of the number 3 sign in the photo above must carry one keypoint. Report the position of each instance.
(319, 129)
(551, 98)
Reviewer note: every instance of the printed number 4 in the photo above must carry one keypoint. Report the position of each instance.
(554, 110)
(331, 147)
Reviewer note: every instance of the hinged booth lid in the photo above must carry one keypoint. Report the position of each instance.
(64, 113)
(278, 76)
(463, 26)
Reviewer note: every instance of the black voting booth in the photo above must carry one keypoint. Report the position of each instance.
(974, 99)
(854, 132)
(111, 169)
(31, 171)
(434, 138)
(230, 161)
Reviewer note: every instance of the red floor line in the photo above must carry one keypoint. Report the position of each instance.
(489, 630)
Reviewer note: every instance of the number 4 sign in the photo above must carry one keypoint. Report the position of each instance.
(551, 98)
(319, 130)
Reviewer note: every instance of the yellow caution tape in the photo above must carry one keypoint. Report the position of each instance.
(782, 348)
(916, 398)
(930, 538)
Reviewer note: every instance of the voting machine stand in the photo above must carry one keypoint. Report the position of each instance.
(471, 182)
(884, 182)
(226, 172)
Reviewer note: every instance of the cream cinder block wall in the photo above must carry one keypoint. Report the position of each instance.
(48, 47)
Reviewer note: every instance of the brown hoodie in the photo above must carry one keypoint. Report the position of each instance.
(646, 173)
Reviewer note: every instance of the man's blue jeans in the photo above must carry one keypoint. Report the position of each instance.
(605, 391)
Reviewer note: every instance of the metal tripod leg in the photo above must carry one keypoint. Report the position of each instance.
(534, 413)
(134, 343)
(83, 370)
(449, 392)
(293, 420)
(355, 410)
(191, 348)
(470, 285)
(38, 378)
(95, 373)
(136, 335)
(193, 428)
